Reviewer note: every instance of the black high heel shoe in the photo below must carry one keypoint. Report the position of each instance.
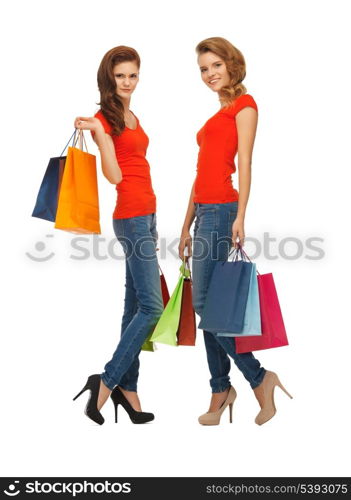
(137, 417)
(91, 411)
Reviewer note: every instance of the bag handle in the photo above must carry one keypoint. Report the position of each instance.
(73, 136)
(243, 254)
(81, 138)
(183, 269)
(239, 251)
(186, 264)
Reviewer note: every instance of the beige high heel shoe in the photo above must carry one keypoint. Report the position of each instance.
(213, 418)
(265, 395)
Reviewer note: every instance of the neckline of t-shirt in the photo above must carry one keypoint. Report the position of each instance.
(133, 129)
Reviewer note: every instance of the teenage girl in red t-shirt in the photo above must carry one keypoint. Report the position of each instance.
(220, 211)
(122, 144)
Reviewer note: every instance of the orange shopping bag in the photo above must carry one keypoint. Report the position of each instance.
(78, 204)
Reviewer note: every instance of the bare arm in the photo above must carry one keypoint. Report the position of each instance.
(246, 121)
(109, 164)
(185, 237)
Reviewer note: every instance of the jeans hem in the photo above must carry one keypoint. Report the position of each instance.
(107, 382)
(220, 389)
(256, 384)
(132, 388)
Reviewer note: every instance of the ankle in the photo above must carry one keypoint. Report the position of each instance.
(104, 393)
(132, 398)
(218, 399)
(221, 393)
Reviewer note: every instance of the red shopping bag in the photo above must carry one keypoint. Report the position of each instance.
(164, 288)
(273, 329)
(148, 345)
(186, 333)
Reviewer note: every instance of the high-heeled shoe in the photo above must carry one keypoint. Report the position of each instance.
(91, 411)
(265, 392)
(213, 418)
(137, 417)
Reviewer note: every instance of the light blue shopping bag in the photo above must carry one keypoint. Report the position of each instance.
(252, 318)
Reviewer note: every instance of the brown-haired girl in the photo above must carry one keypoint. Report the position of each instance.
(123, 144)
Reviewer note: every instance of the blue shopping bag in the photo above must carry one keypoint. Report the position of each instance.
(226, 299)
(252, 319)
(47, 199)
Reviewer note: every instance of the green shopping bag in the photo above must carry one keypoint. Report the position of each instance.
(165, 331)
(148, 345)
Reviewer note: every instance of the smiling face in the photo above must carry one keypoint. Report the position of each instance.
(213, 71)
(126, 77)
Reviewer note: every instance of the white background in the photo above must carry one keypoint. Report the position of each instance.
(61, 318)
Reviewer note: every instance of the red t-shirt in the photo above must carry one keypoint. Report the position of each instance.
(135, 195)
(218, 141)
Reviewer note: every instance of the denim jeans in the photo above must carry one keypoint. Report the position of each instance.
(143, 303)
(212, 242)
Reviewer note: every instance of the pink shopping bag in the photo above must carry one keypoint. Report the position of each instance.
(273, 329)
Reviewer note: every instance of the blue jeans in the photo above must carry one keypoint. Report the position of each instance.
(143, 303)
(212, 242)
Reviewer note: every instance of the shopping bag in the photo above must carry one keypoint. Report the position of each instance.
(272, 323)
(252, 319)
(148, 345)
(166, 329)
(186, 333)
(78, 204)
(226, 298)
(164, 288)
(47, 199)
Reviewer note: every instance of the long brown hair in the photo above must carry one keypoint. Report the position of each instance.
(235, 64)
(110, 103)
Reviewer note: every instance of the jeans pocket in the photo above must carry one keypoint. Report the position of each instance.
(141, 225)
(208, 219)
(120, 231)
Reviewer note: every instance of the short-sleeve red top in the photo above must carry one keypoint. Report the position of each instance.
(135, 195)
(218, 142)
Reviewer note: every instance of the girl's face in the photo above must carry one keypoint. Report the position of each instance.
(213, 71)
(126, 77)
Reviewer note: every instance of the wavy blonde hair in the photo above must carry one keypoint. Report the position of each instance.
(235, 64)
